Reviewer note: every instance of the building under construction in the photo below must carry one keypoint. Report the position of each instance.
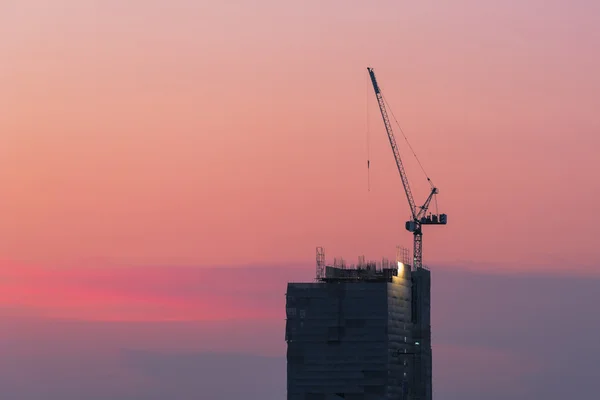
(364, 332)
(360, 332)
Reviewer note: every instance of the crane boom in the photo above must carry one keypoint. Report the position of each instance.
(419, 217)
(390, 133)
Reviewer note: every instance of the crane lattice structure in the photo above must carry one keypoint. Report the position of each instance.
(419, 215)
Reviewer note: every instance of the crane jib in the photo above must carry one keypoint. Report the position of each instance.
(373, 80)
(395, 150)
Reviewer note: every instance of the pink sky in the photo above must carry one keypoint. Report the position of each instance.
(211, 134)
(147, 145)
(146, 294)
(142, 145)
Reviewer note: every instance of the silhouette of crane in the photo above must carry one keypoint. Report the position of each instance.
(419, 216)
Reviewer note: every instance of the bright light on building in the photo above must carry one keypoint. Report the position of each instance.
(400, 269)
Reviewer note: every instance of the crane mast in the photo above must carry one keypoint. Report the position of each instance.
(418, 214)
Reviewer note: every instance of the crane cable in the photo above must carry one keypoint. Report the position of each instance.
(406, 139)
(368, 141)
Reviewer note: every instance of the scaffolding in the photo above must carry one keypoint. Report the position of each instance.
(363, 270)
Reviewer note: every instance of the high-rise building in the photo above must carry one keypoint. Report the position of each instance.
(360, 333)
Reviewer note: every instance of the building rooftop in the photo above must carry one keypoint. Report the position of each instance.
(367, 273)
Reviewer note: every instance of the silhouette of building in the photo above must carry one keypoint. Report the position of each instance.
(359, 333)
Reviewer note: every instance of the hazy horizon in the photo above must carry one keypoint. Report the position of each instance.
(491, 336)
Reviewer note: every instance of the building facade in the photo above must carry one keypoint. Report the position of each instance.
(359, 334)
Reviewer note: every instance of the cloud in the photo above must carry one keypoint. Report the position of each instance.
(518, 336)
(210, 375)
(464, 370)
(70, 360)
(146, 293)
(212, 359)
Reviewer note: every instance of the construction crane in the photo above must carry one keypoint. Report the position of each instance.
(419, 216)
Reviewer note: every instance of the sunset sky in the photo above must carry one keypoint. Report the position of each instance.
(174, 162)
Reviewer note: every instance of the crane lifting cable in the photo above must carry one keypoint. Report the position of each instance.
(368, 140)
(407, 142)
